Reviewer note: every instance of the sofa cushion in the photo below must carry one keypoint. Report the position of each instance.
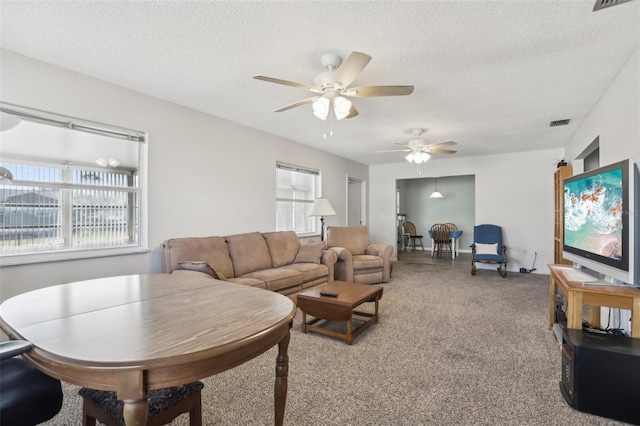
(353, 238)
(283, 247)
(212, 250)
(309, 253)
(309, 271)
(251, 282)
(365, 261)
(200, 267)
(249, 253)
(277, 279)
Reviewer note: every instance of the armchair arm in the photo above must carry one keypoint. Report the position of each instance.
(329, 258)
(344, 266)
(12, 348)
(384, 251)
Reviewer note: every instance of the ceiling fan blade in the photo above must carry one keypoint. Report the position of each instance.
(288, 83)
(393, 150)
(406, 145)
(352, 112)
(297, 104)
(439, 144)
(369, 91)
(350, 68)
(441, 151)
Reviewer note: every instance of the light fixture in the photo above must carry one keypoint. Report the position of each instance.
(322, 106)
(417, 157)
(6, 177)
(111, 162)
(436, 193)
(321, 207)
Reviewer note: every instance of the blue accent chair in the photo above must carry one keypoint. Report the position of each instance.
(487, 247)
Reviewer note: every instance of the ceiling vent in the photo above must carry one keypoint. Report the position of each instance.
(601, 4)
(560, 122)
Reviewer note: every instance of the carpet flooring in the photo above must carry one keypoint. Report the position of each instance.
(450, 349)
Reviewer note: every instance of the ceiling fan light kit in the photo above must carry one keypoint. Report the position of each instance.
(332, 86)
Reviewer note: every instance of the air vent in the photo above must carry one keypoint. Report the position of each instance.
(560, 122)
(601, 4)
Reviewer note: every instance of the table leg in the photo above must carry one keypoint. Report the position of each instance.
(574, 310)
(349, 331)
(132, 392)
(552, 301)
(282, 371)
(635, 318)
(304, 321)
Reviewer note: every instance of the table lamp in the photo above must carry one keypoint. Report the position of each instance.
(321, 207)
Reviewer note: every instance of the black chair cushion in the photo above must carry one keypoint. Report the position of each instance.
(160, 400)
(27, 396)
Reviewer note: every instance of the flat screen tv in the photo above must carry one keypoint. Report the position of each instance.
(601, 221)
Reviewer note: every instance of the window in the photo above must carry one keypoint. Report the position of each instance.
(77, 188)
(296, 189)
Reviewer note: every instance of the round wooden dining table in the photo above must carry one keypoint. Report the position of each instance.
(133, 334)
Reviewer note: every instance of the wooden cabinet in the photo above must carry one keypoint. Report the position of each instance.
(560, 174)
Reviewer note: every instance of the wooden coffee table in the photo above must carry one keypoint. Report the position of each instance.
(340, 308)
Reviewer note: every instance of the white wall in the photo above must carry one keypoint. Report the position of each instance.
(615, 118)
(207, 176)
(514, 191)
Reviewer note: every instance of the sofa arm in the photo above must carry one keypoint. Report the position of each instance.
(384, 251)
(344, 265)
(329, 258)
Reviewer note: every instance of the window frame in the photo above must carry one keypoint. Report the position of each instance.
(316, 193)
(141, 190)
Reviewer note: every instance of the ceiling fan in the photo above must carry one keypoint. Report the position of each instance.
(420, 151)
(331, 88)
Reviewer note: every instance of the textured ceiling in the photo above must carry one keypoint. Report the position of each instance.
(489, 75)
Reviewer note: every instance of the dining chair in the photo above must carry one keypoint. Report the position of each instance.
(164, 405)
(440, 233)
(410, 230)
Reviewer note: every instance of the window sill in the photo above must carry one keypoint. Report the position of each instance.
(30, 258)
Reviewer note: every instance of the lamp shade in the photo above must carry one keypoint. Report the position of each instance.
(341, 106)
(322, 207)
(321, 107)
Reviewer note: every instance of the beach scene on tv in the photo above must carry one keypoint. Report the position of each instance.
(593, 214)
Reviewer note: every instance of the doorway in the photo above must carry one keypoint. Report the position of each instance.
(356, 201)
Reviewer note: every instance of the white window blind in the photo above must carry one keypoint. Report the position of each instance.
(296, 189)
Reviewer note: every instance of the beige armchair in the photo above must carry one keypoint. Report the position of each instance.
(358, 260)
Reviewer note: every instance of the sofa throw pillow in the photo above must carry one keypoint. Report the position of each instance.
(487, 248)
(200, 266)
(309, 253)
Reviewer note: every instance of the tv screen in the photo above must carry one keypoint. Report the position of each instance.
(593, 214)
(599, 220)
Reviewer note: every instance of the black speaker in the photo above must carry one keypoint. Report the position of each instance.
(601, 374)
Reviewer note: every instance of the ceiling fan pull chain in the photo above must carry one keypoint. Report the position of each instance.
(331, 123)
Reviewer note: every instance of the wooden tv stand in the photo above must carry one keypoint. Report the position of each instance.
(594, 296)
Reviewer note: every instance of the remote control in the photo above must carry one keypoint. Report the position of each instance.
(328, 293)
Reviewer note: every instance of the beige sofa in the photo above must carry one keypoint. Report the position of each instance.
(274, 261)
(358, 260)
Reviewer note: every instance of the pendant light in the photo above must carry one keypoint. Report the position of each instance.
(436, 193)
